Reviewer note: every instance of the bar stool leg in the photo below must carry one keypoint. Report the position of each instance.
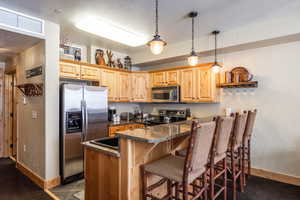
(185, 191)
(169, 183)
(212, 182)
(176, 191)
(144, 184)
(225, 178)
(205, 185)
(233, 175)
(241, 170)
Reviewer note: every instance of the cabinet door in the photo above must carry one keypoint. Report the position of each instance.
(140, 87)
(108, 79)
(90, 73)
(173, 77)
(124, 87)
(69, 70)
(203, 85)
(159, 79)
(187, 85)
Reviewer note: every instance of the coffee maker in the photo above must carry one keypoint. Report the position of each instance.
(111, 112)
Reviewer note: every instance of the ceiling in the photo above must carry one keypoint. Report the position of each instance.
(138, 15)
(13, 43)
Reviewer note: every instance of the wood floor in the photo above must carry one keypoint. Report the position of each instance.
(15, 186)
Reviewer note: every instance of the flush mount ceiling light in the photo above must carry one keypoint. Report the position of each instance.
(111, 31)
(193, 58)
(216, 66)
(156, 45)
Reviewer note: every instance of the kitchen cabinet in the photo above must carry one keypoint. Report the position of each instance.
(141, 91)
(198, 85)
(124, 87)
(166, 78)
(69, 70)
(114, 129)
(108, 79)
(90, 73)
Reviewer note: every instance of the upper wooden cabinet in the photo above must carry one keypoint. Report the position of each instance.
(166, 78)
(109, 79)
(124, 86)
(90, 73)
(141, 90)
(69, 70)
(199, 85)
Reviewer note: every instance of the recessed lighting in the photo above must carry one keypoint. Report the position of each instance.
(111, 31)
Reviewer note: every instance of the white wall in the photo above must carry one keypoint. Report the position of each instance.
(276, 136)
(51, 105)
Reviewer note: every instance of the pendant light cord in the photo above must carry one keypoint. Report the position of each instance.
(156, 17)
(193, 23)
(215, 47)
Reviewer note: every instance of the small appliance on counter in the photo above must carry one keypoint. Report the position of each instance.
(111, 112)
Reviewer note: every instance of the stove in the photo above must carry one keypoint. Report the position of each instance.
(166, 116)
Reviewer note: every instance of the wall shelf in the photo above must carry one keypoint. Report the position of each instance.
(251, 84)
(31, 89)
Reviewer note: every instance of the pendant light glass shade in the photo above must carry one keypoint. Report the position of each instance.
(156, 44)
(193, 59)
(216, 67)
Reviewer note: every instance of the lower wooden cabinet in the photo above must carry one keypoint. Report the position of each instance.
(114, 129)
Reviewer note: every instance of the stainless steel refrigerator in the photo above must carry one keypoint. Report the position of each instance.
(83, 117)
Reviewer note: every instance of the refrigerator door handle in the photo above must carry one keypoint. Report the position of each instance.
(83, 116)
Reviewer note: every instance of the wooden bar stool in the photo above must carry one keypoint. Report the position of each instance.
(247, 144)
(182, 172)
(218, 158)
(234, 153)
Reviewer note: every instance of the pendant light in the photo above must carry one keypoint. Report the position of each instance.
(156, 44)
(216, 67)
(193, 58)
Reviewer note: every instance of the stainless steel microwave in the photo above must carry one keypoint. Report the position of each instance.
(170, 94)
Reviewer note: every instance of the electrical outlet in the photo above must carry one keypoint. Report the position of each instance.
(24, 148)
(34, 114)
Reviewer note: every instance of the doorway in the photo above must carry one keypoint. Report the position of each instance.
(10, 115)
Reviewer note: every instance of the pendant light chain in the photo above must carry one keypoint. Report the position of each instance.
(156, 16)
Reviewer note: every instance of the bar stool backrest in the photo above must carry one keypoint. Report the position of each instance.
(250, 124)
(222, 135)
(239, 129)
(198, 150)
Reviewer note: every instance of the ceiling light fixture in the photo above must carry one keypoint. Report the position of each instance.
(156, 44)
(111, 31)
(216, 66)
(193, 58)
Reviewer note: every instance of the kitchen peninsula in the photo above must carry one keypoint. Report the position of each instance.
(115, 174)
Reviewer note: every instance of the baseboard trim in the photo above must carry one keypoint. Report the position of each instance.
(44, 184)
(276, 176)
(53, 196)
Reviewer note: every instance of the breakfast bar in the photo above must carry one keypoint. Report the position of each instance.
(115, 174)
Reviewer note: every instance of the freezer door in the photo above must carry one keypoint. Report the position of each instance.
(71, 130)
(96, 119)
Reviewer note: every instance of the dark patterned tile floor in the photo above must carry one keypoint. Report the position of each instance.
(66, 192)
(15, 186)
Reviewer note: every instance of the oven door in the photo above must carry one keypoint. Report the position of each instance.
(165, 94)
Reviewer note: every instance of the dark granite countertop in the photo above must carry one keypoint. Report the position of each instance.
(159, 133)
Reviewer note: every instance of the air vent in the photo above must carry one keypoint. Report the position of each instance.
(21, 21)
